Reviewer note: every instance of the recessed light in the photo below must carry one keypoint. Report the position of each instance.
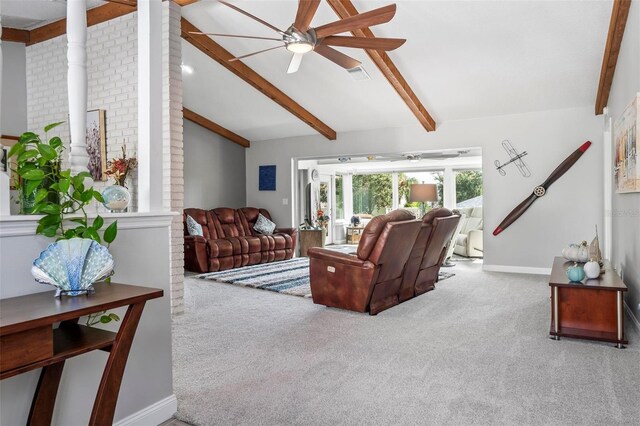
(187, 69)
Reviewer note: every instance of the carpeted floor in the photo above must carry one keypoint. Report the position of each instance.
(473, 351)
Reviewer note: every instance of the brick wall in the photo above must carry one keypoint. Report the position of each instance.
(173, 157)
(112, 51)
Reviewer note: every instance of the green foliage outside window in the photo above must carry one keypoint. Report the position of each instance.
(468, 185)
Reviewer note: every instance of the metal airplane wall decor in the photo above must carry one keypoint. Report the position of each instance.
(540, 190)
(514, 157)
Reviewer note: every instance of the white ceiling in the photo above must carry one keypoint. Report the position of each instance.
(463, 59)
(28, 14)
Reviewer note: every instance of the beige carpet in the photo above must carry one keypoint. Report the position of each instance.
(473, 351)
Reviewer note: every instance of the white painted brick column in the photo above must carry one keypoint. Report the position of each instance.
(173, 156)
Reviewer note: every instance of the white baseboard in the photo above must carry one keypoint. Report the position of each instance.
(516, 269)
(634, 319)
(153, 415)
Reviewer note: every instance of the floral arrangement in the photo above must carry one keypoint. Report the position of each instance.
(119, 168)
(322, 219)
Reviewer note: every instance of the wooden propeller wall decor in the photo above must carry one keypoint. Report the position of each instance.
(540, 190)
(300, 38)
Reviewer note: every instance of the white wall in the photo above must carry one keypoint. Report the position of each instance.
(626, 207)
(568, 212)
(142, 257)
(112, 85)
(214, 169)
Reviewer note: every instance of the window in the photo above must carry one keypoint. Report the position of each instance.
(372, 194)
(339, 198)
(469, 188)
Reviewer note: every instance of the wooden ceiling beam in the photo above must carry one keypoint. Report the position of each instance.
(345, 9)
(184, 2)
(15, 35)
(222, 56)
(215, 127)
(618, 21)
(132, 3)
(95, 16)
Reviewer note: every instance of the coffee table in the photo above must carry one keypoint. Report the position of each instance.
(590, 309)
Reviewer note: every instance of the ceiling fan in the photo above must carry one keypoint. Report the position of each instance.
(300, 38)
(414, 157)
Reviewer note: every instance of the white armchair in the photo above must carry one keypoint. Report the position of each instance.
(468, 242)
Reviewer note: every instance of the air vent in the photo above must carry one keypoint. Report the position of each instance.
(359, 73)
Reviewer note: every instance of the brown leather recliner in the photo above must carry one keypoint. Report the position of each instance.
(421, 272)
(370, 280)
(229, 240)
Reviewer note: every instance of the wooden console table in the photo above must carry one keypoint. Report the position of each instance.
(591, 309)
(28, 341)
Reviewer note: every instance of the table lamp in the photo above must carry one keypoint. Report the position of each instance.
(423, 192)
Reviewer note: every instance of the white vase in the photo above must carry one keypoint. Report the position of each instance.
(592, 269)
(116, 198)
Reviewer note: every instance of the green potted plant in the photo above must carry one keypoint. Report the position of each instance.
(60, 197)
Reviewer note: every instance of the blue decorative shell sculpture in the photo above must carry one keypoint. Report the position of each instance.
(73, 265)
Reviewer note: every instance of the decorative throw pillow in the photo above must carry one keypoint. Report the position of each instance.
(193, 227)
(264, 225)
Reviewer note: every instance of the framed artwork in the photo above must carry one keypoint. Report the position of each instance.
(625, 138)
(96, 140)
(267, 178)
(7, 142)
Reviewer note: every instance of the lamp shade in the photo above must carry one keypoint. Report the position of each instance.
(423, 192)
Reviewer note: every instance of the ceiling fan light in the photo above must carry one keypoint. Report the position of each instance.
(299, 47)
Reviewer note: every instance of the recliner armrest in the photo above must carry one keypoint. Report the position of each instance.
(336, 256)
(195, 253)
(288, 231)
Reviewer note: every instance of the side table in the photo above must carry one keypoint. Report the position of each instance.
(591, 309)
(28, 341)
(310, 238)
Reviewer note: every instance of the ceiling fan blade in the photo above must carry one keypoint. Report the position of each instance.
(364, 42)
(306, 10)
(541, 190)
(255, 18)
(296, 60)
(236, 36)
(254, 53)
(361, 20)
(346, 62)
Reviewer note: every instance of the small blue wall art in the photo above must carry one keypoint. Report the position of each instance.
(267, 178)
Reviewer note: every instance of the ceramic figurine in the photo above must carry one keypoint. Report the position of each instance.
(594, 249)
(72, 266)
(575, 273)
(592, 269)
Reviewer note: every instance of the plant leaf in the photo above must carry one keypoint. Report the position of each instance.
(50, 231)
(41, 195)
(50, 219)
(17, 149)
(98, 222)
(29, 137)
(79, 220)
(114, 317)
(83, 175)
(98, 196)
(55, 142)
(32, 185)
(30, 153)
(52, 126)
(86, 196)
(91, 233)
(110, 233)
(51, 209)
(105, 319)
(47, 152)
(34, 174)
(63, 185)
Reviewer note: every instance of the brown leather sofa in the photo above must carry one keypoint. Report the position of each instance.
(429, 250)
(229, 240)
(370, 280)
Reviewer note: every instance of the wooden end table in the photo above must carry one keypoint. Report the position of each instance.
(353, 234)
(591, 309)
(28, 341)
(310, 238)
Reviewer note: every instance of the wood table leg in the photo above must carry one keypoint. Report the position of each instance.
(44, 399)
(105, 404)
(620, 317)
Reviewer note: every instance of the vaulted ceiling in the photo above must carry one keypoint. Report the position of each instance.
(464, 60)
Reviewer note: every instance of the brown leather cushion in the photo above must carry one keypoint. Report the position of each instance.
(220, 248)
(226, 222)
(249, 216)
(438, 212)
(375, 226)
(200, 216)
(254, 244)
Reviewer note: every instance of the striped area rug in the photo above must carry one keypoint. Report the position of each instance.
(288, 276)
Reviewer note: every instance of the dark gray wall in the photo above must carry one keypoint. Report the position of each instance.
(626, 207)
(214, 169)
